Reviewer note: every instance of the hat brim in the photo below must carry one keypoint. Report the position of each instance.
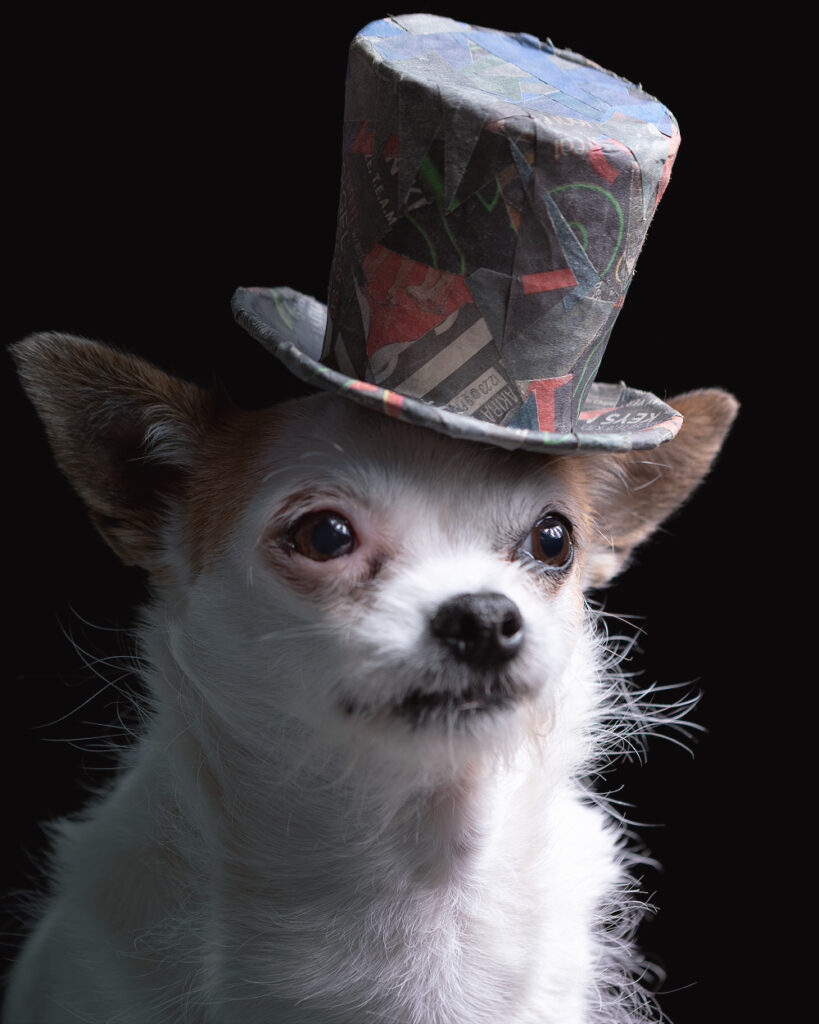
(614, 417)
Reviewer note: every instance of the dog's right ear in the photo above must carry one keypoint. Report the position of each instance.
(634, 492)
(124, 433)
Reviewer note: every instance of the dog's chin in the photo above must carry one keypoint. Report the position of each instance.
(480, 698)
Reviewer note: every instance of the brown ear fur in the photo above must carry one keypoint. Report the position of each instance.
(632, 493)
(123, 432)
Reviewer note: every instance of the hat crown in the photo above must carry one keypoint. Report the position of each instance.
(495, 195)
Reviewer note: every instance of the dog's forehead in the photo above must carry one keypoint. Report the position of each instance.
(325, 439)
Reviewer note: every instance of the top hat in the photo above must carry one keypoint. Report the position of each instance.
(495, 194)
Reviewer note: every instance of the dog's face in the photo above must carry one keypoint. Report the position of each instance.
(324, 569)
(384, 581)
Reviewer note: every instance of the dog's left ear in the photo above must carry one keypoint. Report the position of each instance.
(631, 494)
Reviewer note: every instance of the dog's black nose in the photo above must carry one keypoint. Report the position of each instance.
(483, 629)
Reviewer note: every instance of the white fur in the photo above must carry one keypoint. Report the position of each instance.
(266, 857)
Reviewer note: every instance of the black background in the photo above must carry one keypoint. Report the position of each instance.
(157, 164)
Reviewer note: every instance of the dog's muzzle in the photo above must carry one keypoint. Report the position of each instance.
(474, 638)
(482, 634)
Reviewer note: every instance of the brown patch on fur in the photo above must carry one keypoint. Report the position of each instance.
(227, 473)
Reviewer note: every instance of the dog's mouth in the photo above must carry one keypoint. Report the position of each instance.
(480, 697)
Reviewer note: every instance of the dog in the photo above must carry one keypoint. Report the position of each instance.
(376, 693)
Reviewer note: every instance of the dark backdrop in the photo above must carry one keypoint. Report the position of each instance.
(154, 165)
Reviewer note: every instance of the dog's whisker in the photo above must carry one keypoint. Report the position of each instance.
(307, 632)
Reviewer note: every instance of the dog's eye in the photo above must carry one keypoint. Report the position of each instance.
(550, 541)
(322, 536)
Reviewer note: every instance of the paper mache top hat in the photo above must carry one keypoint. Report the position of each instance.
(495, 194)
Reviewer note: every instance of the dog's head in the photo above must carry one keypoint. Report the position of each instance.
(332, 569)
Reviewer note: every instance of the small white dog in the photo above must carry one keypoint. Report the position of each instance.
(375, 694)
